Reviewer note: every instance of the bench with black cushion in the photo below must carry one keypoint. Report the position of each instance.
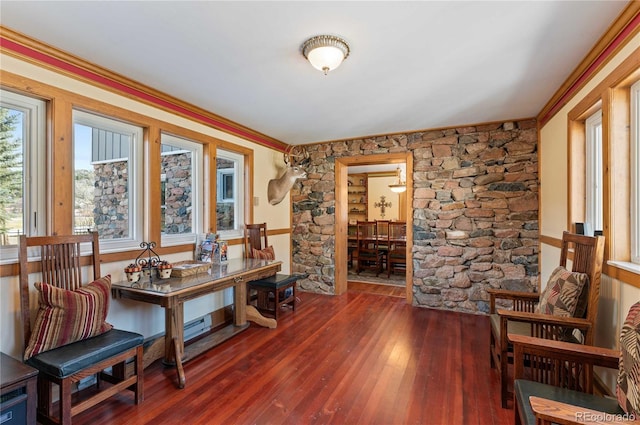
(64, 361)
(273, 293)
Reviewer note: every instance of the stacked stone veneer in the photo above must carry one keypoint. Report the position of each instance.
(178, 194)
(475, 212)
(111, 199)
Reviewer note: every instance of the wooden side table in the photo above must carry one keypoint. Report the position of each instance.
(17, 391)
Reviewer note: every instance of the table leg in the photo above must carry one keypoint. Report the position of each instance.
(254, 315)
(179, 368)
(174, 340)
(244, 312)
(240, 304)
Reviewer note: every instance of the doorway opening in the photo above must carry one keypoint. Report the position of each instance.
(353, 207)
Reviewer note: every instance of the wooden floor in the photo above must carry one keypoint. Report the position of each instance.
(359, 358)
(375, 288)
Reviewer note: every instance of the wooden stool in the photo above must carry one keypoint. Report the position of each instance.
(272, 293)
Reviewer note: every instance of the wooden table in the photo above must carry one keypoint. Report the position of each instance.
(172, 293)
(15, 375)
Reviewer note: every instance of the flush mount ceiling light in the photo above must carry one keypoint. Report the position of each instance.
(400, 186)
(325, 52)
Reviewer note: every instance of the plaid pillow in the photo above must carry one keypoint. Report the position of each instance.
(264, 254)
(629, 366)
(560, 297)
(68, 316)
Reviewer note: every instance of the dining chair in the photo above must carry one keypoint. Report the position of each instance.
(369, 255)
(397, 242)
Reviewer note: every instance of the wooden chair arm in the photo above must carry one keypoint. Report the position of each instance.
(550, 411)
(503, 294)
(512, 295)
(547, 319)
(597, 356)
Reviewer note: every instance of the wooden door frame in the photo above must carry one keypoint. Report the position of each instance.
(342, 209)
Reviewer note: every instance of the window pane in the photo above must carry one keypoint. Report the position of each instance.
(176, 195)
(594, 172)
(226, 207)
(104, 187)
(229, 194)
(22, 185)
(12, 179)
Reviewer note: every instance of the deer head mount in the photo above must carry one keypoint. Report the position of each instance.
(295, 157)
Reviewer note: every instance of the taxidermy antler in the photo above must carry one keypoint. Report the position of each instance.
(279, 187)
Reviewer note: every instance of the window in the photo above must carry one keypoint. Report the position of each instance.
(22, 165)
(226, 189)
(635, 173)
(593, 213)
(181, 190)
(229, 196)
(107, 180)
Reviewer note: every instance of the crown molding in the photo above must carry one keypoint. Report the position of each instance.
(39, 53)
(621, 31)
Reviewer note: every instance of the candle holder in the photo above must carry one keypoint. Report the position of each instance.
(148, 259)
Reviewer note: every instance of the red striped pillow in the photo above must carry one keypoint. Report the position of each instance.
(264, 254)
(68, 316)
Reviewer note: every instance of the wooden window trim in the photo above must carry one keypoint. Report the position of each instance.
(612, 96)
(60, 160)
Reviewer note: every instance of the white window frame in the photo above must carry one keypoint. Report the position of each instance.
(34, 148)
(238, 194)
(594, 182)
(635, 173)
(136, 200)
(197, 191)
(220, 179)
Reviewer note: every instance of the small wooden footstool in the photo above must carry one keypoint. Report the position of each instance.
(274, 292)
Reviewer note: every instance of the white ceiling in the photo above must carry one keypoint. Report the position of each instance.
(413, 65)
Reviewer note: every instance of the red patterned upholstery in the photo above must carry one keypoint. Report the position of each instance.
(629, 369)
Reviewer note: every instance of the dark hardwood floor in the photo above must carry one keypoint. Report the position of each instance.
(359, 358)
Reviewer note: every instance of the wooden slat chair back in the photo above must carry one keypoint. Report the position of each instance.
(382, 227)
(369, 255)
(587, 257)
(397, 242)
(60, 263)
(382, 231)
(255, 238)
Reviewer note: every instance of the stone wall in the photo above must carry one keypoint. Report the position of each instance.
(178, 193)
(475, 212)
(111, 210)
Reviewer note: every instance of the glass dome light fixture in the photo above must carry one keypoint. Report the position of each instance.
(325, 52)
(400, 186)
